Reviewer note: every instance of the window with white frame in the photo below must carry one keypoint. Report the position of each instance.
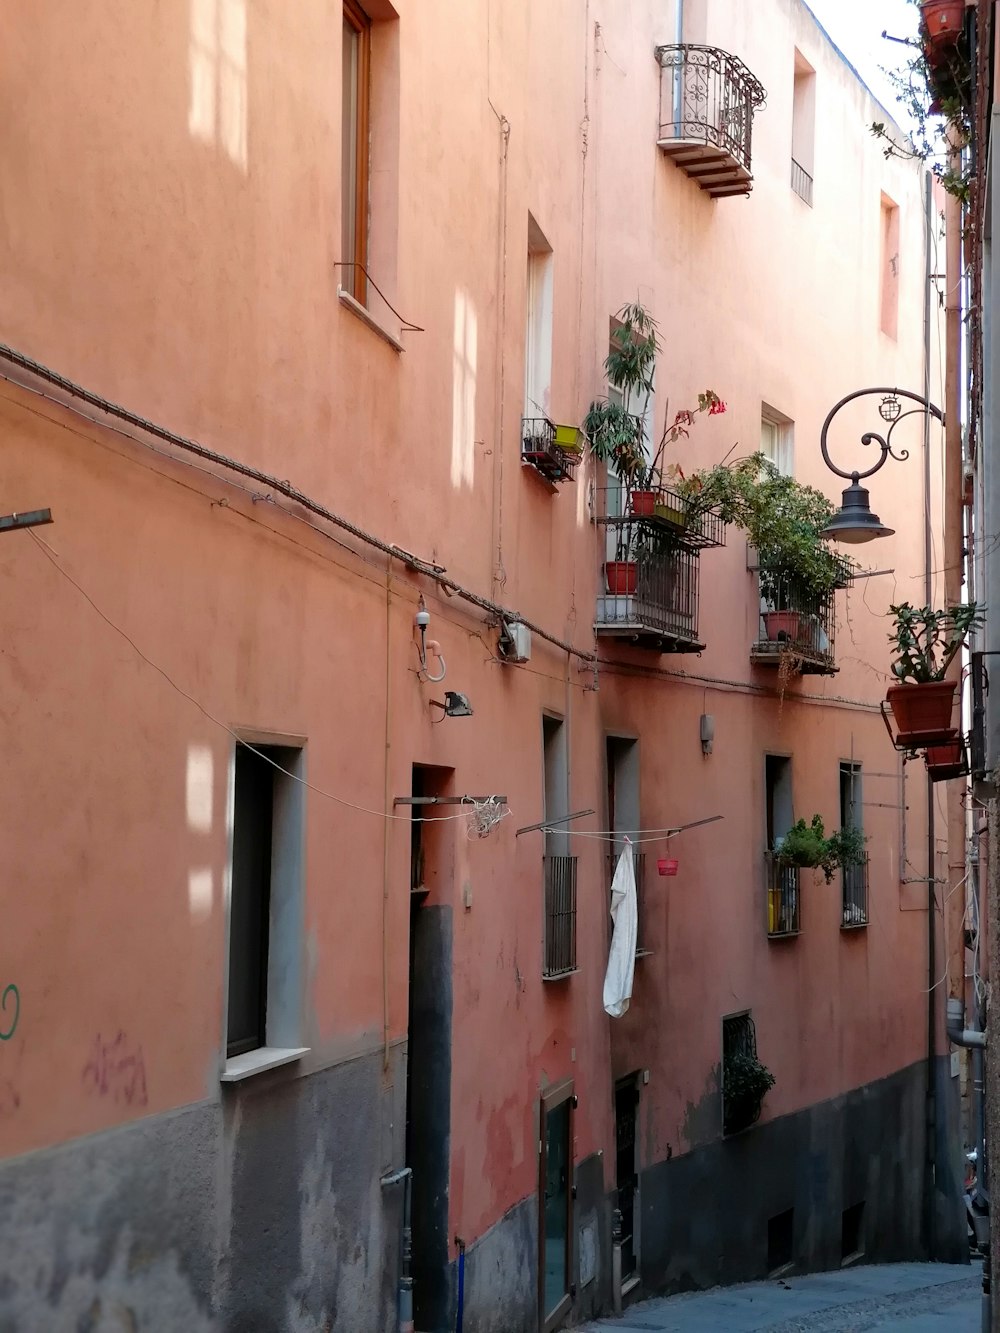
(777, 437)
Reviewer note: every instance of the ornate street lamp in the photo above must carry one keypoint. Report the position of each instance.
(854, 521)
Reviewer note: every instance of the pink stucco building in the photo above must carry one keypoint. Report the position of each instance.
(279, 294)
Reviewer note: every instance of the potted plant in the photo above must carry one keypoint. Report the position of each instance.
(806, 845)
(946, 761)
(942, 21)
(926, 642)
(745, 1083)
(616, 428)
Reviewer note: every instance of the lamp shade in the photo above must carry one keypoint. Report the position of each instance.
(854, 522)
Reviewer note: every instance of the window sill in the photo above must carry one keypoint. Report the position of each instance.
(854, 925)
(366, 317)
(255, 1062)
(560, 976)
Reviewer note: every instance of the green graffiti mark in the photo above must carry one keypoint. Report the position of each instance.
(6, 1036)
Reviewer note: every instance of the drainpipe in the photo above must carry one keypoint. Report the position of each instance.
(958, 1033)
(404, 1176)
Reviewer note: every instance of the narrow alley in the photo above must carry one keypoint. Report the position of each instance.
(908, 1298)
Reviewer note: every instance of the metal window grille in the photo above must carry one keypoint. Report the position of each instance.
(560, 915)
(783, 897)
(739, 1037)
(855, 885)
(802, 182)
(639, 861)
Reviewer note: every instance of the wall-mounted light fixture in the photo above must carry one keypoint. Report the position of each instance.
(854, 521)
(455, 704)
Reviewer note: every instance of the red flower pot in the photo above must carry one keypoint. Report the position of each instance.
(781, 625)
(643, 503)
(943, 21)
(621, 576)
(666, 866)
(923, 712)
(945, 761)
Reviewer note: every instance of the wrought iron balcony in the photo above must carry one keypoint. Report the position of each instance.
(855, 901)
(642, 949)
(795, 628)
(707, 102)
(651, 599)
(560, 916)
(554, 451)
(783, 897)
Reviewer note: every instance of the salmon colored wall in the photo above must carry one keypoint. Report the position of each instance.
(152, 256)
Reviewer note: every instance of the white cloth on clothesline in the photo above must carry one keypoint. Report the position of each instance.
(625, 915)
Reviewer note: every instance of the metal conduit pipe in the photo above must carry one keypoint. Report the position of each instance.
(958, 1033)
(285, 488)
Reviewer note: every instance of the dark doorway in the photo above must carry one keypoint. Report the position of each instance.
(627, 1170)
(555, 1200)
(428, 1082)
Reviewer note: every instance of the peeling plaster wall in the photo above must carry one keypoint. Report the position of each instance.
(261, 1213)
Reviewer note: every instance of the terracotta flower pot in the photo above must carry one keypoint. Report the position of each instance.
(621, 576)
(923, 712)
(643, 503)
(945, 761)
(943, 21)
(667, 866)
(781, 625)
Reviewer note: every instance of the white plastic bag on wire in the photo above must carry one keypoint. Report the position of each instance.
(625, 915)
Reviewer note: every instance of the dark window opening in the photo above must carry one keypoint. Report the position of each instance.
(780, 1240)
(250, 904)
(852, 1243)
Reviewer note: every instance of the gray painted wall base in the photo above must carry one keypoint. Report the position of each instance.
(259, 1214)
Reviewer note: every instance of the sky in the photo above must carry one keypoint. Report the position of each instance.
(857, 25)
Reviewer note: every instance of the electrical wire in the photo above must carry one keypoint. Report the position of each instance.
(50, 555)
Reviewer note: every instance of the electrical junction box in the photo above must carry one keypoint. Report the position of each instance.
(515, 642)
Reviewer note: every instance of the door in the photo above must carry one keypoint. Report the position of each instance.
(555, 1200)
(627, 1172)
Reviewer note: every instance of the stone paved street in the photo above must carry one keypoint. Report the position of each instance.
(910, 1298)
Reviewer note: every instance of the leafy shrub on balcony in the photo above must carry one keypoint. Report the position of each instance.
(807, 845)
(745, 1084)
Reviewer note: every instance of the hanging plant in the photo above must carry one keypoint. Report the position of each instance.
(745, 1083)
(934, 87)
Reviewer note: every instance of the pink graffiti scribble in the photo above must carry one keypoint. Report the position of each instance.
(116, 1069)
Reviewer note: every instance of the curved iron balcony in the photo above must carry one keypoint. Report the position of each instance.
(707, 101)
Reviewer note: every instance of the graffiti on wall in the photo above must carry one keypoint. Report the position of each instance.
(116, 1069)
(9, 1000)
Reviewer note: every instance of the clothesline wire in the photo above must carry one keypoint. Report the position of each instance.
(51, 556)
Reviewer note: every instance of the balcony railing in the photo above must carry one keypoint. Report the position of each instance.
(783, 896)
(795, 627)
(642, 949)
(652, 599)
(541, 448)
(707, 102)
(855, 905)
(560, 916)
(802, 182)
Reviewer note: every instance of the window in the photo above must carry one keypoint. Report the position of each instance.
(803, 128)
(623, 818)
(855, 878)
(560, 868)
(555, 1205)
(354, 150)
(265, 909)
(852, 1242)
(538, 327)
(781, 881)
(889, 312)
(777, 439)
(780, 1241)
(741, 1093)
